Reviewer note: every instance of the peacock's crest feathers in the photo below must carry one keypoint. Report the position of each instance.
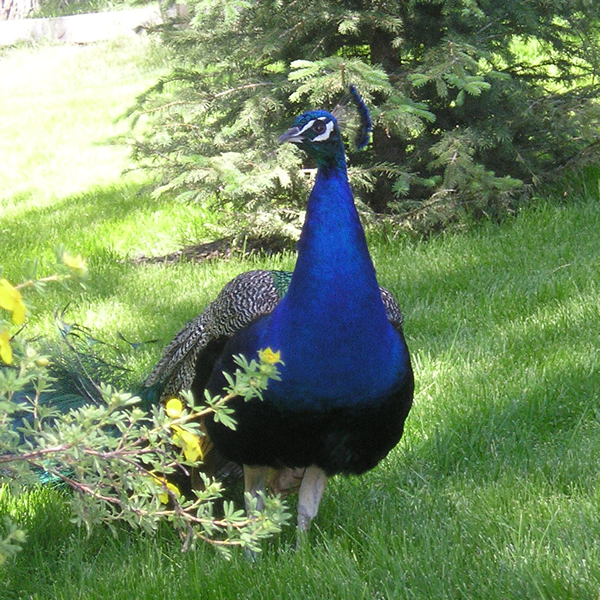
(366, 125)
(340, 112)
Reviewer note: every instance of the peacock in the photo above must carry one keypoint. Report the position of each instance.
(346, 381)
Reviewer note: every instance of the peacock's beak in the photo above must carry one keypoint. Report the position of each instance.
(292, 135)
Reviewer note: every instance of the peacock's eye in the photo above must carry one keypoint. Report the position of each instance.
(319, 127)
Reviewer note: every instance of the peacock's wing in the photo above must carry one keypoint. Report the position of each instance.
(194, 350)
(242, 300)
(392, 308)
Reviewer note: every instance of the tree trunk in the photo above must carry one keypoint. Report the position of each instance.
(386, 148)
(17, 9)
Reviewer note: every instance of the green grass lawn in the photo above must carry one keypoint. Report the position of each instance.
(492, 493)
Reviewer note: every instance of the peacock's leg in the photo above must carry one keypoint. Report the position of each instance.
(255, 481)
(310, 494)
(284, 481)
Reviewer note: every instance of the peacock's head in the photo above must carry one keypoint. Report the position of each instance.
(317, 133)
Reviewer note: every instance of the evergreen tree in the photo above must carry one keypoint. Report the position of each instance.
(472, 100)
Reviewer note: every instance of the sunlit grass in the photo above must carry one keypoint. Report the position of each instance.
(493, 492)
(60, 105)
(63, 180)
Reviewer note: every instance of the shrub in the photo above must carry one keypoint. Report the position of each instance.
(473, 102)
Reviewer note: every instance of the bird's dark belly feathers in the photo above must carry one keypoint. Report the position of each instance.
(342, 440)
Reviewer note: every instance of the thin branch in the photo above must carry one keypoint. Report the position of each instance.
(241, 87)
(31, 282)
(165, 106)
(31, 456)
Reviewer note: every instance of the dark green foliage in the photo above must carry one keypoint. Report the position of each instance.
(472, 102)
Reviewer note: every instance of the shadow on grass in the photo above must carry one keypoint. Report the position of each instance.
(73, 216)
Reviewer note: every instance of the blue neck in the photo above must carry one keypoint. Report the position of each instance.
(334, 265)
(331, 326)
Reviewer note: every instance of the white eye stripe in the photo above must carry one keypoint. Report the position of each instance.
(307, 126)
(325, 135)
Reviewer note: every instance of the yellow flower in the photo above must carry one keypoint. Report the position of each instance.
(164, 496)
(11, 299)
(174, 407)
(75, 264)
(5, 350)
(268, 356)
(189, 443)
